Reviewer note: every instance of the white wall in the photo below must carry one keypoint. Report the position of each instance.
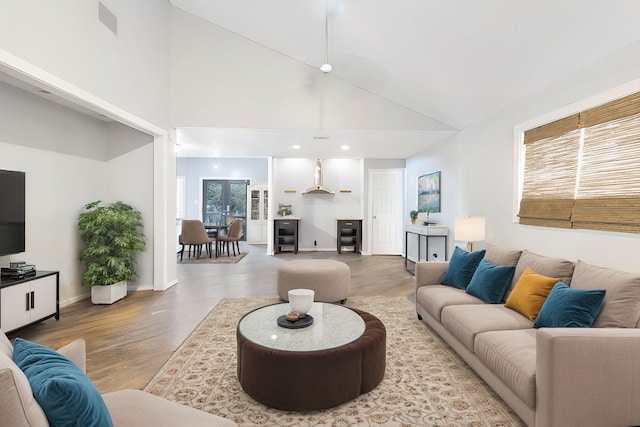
(65, 37)
(478, 172)
(63, 47)
(63, 153)
(318, 212)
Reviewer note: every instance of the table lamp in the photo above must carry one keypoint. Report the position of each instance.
(470, 229)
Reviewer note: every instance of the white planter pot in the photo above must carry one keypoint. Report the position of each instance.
(108, 294)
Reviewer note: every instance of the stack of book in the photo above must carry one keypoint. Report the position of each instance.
(18, 270)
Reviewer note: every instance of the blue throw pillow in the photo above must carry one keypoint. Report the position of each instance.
(490, 282)
(461, 267)
(65, 393)
(567, 307)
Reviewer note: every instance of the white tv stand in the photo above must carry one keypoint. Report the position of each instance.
(29, 300)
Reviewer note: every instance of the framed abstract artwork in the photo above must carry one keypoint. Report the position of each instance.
(429, 192)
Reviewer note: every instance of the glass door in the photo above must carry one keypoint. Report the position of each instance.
(223, 200)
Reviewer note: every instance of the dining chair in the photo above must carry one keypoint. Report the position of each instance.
(194, 235)
(233, 236)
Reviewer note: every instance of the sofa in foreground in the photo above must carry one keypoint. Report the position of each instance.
(67, 396)
(558, 342)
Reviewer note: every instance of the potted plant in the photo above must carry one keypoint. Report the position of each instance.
(111, 239)
(414, 215)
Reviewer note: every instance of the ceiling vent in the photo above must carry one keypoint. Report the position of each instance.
(107, 18)
(318, 188)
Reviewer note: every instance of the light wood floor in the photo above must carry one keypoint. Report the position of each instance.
(129, 341)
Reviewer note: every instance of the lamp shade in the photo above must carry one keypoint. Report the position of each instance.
(470, 228)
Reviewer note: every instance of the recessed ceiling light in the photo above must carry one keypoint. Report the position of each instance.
(344, 147)
(295, 147)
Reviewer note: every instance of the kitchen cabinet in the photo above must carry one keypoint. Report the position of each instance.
(349, 234)
(285, 235)
(258, 202)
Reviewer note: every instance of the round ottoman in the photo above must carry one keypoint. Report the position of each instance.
(329, 279)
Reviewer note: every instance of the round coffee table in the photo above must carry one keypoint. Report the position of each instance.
(340, 356)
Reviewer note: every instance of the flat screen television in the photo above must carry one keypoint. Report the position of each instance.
(12, 212)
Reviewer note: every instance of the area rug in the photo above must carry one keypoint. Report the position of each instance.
(425, 383)
(204, 259)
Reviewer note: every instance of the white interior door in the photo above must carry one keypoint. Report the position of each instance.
(385, 191)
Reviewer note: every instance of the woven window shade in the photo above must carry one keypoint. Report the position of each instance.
(608, 196)
(618, 109)
(550, 180)
(556, 128)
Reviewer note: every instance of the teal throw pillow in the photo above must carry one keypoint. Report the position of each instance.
(567, 307)
(461, 267)
(490, 282)
(65, 393)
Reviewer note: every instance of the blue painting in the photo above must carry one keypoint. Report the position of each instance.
(429, 192)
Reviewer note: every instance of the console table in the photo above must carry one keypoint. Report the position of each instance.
(424, 243)
(29, 300)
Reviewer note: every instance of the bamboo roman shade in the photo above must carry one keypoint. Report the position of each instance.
(583, 171)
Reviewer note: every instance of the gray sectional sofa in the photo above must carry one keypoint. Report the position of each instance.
(549, 376)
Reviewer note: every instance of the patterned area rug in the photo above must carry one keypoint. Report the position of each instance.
(425, 384)
(204, 259)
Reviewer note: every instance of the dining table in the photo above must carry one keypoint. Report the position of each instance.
(213, 230)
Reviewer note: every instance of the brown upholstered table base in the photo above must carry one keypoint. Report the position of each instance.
(312, 380)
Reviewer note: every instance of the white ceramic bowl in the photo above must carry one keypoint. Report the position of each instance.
(301, 300)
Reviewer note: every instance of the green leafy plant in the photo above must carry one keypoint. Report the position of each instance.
(112, 236)
(413, 215)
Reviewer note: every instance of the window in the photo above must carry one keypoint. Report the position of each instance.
(583, 171)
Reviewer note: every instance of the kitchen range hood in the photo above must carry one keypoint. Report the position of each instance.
(318, 188)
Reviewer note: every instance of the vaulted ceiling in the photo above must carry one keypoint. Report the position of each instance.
(453, 62)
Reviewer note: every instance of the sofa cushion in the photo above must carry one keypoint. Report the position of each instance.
(18, 407)
(502, 256)
(548, 266)
(511, 355)
(621, 305)
(530, 293)
(435, 297)
(461, 267)
(569, 308)
(65, 393)
(6, 347)
(137, 408)
(490, 282)
(466, 321)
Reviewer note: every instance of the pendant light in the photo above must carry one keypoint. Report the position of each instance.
(326, 67)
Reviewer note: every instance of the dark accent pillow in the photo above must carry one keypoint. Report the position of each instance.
(567, 307)
(461, 267)
(65, 393)
(490, 282)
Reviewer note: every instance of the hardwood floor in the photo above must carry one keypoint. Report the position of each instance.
(129, 341)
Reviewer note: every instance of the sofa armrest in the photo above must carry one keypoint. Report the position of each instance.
(430, 272)
(76, 351)
(587, 377)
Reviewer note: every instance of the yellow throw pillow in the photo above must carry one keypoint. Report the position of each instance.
(530, 292)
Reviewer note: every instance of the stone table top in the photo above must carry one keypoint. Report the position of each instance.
(333, 326)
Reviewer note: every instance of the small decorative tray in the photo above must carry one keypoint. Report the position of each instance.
(301, 323)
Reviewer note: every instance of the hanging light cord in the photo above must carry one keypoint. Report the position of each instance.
(326, 28)
(326, 67)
